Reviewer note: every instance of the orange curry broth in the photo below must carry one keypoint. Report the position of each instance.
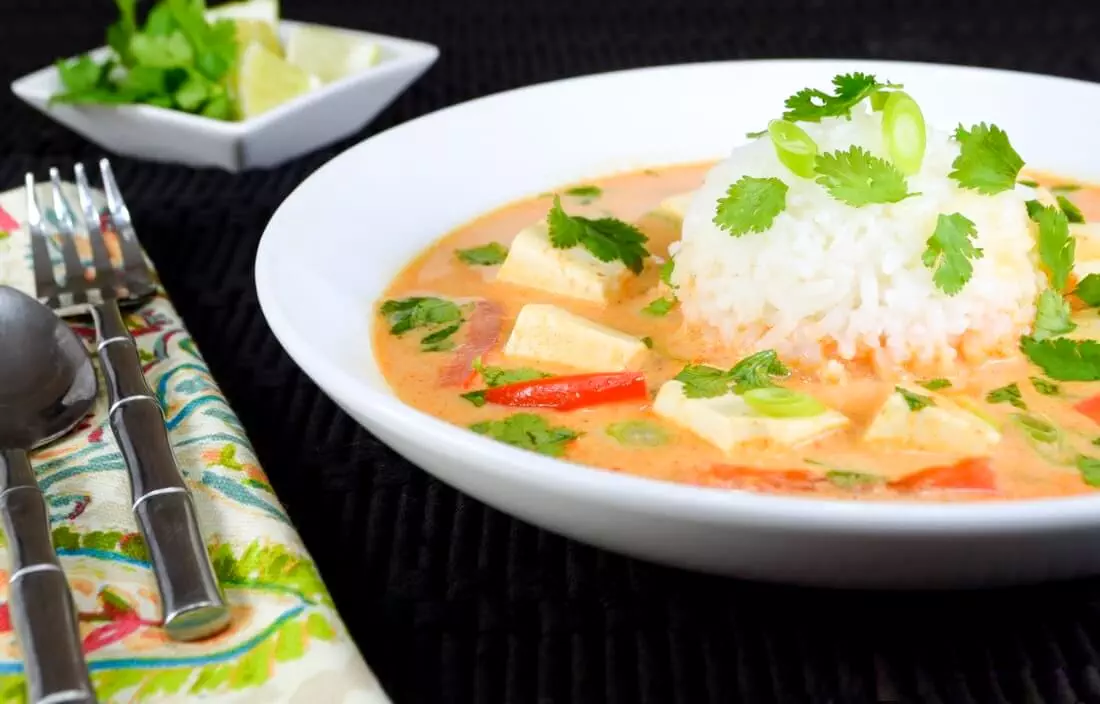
(414, 375)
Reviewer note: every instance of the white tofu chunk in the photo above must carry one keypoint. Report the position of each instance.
(941, 427)
(728, 422)
(547, 333)
(676, 206)
(533, 261)
(1087, 237)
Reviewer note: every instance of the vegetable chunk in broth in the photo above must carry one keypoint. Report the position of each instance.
(852, 305)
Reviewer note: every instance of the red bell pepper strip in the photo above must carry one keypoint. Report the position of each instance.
(973, 473)
(567, 393)
(766, 479)
(1090, 407)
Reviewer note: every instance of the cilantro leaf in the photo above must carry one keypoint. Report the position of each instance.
(647, 340)
(1028, 182)
(701, 381)
(986, 163)
(756, 371)
(586, 193)
(949, 251)
(811, 105)
(475, 397)
(1056, 246)
(499, 376)
(417, 312)
(1063, 359)
(1070, 210)
(439, 341)
(660, 307)
(1090, 470)
(490, 254)
(1088, 290)
(859, 178)
(915, 401)
(1046, 388)
(1007, 394)
(936, 384)
(607, 239)
(846, 479)
(528, 431)
(665, 272)
(1065, 187)
(1052, 316)
(751, 205)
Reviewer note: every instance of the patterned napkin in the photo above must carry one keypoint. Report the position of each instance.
(286, 643)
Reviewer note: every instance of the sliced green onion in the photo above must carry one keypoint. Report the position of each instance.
(904, 132)
(777, 402)
(793, 146)
(879, 98)
(1045, 438)
(638, 433)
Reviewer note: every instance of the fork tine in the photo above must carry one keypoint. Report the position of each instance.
(138, 279)
(104, 269)
(75, 283)
(44, 282)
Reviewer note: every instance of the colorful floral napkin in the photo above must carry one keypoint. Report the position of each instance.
(286, 643)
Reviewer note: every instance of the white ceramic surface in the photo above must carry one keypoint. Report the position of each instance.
(310, 122)
(333, 246)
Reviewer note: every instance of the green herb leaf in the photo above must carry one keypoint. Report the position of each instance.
(476, 397)
(665, 272)
(1056, 246)
(79, 74)
(1065, 188)
(648, 342)
(1007, 394)
(949, 252)
(439, 341)
(1088, 290)
(587, 192)
(490, 254)
(638, 433)
(528, 431)
(660, 307)
(1072, 212)
(701, 381)
(1064, 359)
(499, 376)
(757, 370)
(852, 480)
(859, 178)
(607, 239)
(1090, 470)
(936, 384)
(915, 401)
(1052, 316)
(751, 205)
(1046, 388)
(987, 163)
(418, 312)
(1028, 182)
(811, 105)
(171, 51)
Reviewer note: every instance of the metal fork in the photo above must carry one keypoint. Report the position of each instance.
(193, 604)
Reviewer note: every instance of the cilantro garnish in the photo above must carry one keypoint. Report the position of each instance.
(665, 272)
(753, 372)
(442, 319)
(499, 376)
(1046, 388)
(1051, 316)
(915, 401)
(986, 163)
(811, 104)
(528, 431)
(1065, 188)
(1064, 359)
(1056, 246)
(1007, 394)
(490, 254)
(586, 193)
(660, 307)
(1028, 182)
(845, 479)
(859, 178)
(1069, 208)
(950, 251)
(1089, 469)
(751, 205)
(936, 384)
(648, 341)
(607, 239)
(177, 60)
(1088, 290)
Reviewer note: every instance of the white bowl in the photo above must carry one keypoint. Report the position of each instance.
(370, 210)
(318, 118)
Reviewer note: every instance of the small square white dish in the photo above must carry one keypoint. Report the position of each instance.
(309, 122)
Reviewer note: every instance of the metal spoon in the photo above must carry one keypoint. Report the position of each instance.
(47, 385)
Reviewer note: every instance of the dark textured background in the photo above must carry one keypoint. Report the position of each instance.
(453, 602)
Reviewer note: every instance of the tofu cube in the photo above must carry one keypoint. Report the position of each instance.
(728, 422)
(943, 426)
(533, 262)
(547, 333)
(1087, 237)
(675, 207)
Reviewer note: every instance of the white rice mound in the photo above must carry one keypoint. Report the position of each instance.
(831, 283)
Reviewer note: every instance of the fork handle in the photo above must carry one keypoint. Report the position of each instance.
(42, 607)
(193, 604)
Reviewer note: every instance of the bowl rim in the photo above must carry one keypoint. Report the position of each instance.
(652, 496)
(409, 52)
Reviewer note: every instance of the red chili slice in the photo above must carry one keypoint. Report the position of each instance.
(972, 473)
(1090, 407)
(567, 393)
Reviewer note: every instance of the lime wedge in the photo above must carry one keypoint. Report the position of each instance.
(330, 54)
(249, 31)
(266, 11)
(266, 81)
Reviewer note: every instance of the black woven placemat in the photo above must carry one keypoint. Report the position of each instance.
(454, 602)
